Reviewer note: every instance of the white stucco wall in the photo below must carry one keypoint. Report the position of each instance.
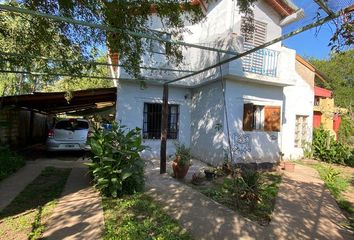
(298, 100)
(256, 146)
(207, 122)
(220, 29)
(201, 105)
(130, 108)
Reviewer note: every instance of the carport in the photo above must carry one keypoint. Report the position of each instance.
(26, 118)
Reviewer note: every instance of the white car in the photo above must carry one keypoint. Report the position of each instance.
(69, 135)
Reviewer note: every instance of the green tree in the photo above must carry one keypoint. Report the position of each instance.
(339, 70)
(76, 83)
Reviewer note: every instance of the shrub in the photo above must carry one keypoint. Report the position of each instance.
(333, 180)
(246, 188)
(327, 149)
(9, 162)
(116, 165)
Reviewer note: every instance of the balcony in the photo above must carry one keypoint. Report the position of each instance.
(263, 62)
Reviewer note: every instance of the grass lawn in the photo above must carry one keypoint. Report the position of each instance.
(10, 162)
(25, 216)
(139, 217)
(264, 208)
(340, 182)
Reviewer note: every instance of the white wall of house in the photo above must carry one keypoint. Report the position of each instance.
(298, 100)
(207, 111)
(130, 108)
(256, 145)
(202, 123)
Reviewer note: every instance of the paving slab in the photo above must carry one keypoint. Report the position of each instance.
(201, 216)
(14, 184)
(305, 209)
(79, 213)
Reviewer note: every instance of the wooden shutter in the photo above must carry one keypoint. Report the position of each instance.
(248, 117)
(272, 118)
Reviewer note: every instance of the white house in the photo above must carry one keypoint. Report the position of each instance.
(260, 104)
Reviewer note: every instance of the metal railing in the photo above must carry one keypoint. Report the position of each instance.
(263, 61)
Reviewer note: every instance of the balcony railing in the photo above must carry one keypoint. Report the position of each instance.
(263, 61)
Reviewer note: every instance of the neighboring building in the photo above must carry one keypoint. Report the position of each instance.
(325, 113)
(264, 100)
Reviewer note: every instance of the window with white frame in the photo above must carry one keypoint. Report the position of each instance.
(257, 36)
(301, 130)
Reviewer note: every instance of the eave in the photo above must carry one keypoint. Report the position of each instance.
(283, 7)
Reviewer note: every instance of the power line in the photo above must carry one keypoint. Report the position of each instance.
(283, 37)
(109, 28)
(76, 76)
(92, 62)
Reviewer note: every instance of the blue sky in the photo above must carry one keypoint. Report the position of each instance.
(307, 44)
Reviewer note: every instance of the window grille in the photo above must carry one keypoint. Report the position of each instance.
(152, 121)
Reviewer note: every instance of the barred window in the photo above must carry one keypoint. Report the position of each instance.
(152, 121)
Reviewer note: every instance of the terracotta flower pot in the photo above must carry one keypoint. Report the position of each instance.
(179, 171)
(289, 166)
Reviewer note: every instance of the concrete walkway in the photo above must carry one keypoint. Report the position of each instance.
(14, 184)
(202, 217)
(305, 209)
(78, 214)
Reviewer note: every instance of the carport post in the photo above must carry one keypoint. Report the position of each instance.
(164, 126)
(31, 125)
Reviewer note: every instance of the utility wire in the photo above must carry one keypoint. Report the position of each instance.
(108, 28)
(283, 37)
(90, 62)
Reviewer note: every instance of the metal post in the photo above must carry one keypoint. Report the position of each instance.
(164, 126)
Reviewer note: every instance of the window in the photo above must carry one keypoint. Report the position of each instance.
(301, 130)
(152, 121)
(72, 124)
(258, 117)
(160, 47)
(257, 36)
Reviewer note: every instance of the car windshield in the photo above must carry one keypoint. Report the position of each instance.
(72, 125)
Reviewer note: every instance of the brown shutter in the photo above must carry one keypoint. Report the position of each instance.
(248, 117)
(272, 118)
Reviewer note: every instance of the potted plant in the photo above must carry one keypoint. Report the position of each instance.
(289, 166)
(182, 162)
(209, 173)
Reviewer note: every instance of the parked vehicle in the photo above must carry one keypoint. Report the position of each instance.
(69, 134)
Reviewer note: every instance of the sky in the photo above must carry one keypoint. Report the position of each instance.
(308, 44)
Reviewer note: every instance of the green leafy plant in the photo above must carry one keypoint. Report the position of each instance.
(327, 149)
(307, 148)
(184, 154)
(333, 180)
(246, 187)
(117, 167)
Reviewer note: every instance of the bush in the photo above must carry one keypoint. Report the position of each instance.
(116, 166)
(246, 188)
(327, 149)
(9, 162)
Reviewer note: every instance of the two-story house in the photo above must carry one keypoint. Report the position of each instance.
(254, 106)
